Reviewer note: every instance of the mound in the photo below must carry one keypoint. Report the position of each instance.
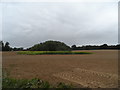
(50, 46)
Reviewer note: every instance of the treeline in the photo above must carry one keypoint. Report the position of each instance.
(94, 47)
(55, 46)
(6, 47)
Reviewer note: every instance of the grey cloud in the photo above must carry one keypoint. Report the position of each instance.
(25, 24)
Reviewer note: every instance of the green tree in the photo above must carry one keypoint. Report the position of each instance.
(104, 46)
(7, 47)
(50, 46)
(2, 47)
(73, 47)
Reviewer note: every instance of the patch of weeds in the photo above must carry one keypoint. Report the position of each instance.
(63, 85)
(33, 83)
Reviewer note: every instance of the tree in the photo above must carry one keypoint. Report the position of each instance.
(73, 47)
(118, 46)
(18, 49)
(104, 46)
(2, 47)
(7, 47)
(50, 46)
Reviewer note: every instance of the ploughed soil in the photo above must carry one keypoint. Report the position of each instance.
(97, 70)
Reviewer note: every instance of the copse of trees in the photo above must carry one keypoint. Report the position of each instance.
(6, 47)
(17, 49)
(50, 46)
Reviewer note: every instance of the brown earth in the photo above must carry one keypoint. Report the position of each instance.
(99, 69)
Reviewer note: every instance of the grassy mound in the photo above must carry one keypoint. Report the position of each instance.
(51, 52)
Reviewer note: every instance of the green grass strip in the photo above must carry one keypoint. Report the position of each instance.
(50, 52)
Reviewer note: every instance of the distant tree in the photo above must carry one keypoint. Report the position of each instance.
(118, 46)
(14, 49)
(18, 49)
(73, 47)
(7, 47)
(104, 46)
(2, 46)
(50, 46)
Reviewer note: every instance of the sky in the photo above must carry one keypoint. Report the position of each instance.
(81, 23)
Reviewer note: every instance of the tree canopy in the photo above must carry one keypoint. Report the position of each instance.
(5, 47)
(50, 46)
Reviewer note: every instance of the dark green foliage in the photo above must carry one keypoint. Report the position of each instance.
(17, 49)
(104, 46)
(95, 47)
(73, 47)
(5, 47)
(29, 84)
(50, 46)
(118, 46)
(33, 83)
(63, 85)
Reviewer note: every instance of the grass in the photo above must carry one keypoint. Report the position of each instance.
(51, 52)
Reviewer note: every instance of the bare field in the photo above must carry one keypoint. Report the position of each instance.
(99, 69)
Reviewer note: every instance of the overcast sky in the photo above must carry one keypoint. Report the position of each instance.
(83, 23)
